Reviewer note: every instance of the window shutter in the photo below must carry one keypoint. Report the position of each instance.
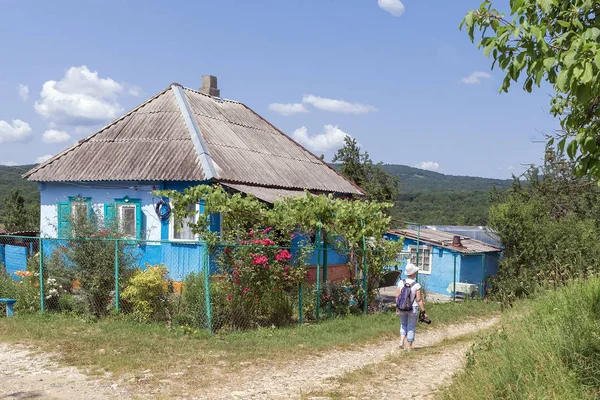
(110, 216)
(138, 221)
(64, 219)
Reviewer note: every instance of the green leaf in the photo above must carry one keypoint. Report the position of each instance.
(546, 5)
(593, 33)
(551, 142)
(572, 148)
(569, 58)
(561, 81)
(589, 145)
(564, 24)
(588, 73)
(519, 62)
(597, 59)
(561, 144)
(488, 49)
(537, 32)
(548, 63)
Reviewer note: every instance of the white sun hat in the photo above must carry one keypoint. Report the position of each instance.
(411, 269)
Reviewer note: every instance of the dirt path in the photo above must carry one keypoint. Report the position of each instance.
(25, 375)
(295, 379)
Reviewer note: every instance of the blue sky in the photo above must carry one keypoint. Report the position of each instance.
(403, 81)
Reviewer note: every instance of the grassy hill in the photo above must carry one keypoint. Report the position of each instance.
(425, 197)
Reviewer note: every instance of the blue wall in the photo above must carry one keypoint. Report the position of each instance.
(14, 258)
(468, 267)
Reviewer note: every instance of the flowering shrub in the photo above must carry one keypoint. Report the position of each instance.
(259, 281)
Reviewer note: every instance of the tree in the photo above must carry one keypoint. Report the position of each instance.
(17, 216)
(557, 41)
(359, 168)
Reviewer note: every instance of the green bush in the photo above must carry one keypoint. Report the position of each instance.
(147, 291)
(548, 349)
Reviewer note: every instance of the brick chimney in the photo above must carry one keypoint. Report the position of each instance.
(456, 241)
(209, 86)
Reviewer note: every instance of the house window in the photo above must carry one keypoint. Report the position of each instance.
(184, 233)
(126, 216)
(128, 220)
(79, 209)
(424, 258)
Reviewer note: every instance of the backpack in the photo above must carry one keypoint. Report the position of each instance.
(406, 299)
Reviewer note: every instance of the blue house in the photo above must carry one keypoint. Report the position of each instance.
(447, 260)
(176, 139)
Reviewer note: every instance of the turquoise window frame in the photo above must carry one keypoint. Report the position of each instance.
(64, 213)
(111, 211)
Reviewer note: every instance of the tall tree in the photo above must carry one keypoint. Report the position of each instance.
(359, 168)
(17, 216)
(557, 41)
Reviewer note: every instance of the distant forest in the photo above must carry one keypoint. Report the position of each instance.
(432, 198)
(426, 197)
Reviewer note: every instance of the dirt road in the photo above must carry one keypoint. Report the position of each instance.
(27, 375)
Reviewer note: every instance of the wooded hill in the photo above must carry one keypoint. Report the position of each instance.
(425, 197)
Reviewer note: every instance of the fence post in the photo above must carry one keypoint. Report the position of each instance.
(117, 274)
(300, 305)
(365, 308)
(454, 290)
(206, 269)
(42, 298)
(318, 300)
(483, 275)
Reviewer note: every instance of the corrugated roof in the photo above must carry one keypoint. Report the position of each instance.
(270, 195)
(153, 142)
(481, 233)
(444, 240)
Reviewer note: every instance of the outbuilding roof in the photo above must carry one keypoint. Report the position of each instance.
(181, 134)
(445, 240)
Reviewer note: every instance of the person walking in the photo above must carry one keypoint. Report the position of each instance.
(409, 300)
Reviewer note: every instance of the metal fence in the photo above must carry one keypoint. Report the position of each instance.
(188, 284)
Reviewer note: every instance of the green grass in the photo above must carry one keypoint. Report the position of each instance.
(546, 349)
(123, 347)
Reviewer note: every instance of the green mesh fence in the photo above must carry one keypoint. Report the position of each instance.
(191, 285)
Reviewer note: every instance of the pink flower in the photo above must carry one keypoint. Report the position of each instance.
(257, 300)
(286, 269)
(229, 297)
(269, 229)
(250, 233)
(283, 255)
(260, 260)
(246, 289)
(293, 235)
(275, 289)
(308, 275)
(227, 250)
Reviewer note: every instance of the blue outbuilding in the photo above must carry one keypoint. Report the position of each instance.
(448, 263)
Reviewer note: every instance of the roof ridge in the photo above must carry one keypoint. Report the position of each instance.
(208, 166)
(209, 96)
(84, 140)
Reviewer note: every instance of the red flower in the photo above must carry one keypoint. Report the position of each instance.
(257, 300)
(308, 275)
(260, 260)
(275, 289)
(250, 233)
(229, 297)
(283, 255)
(293, 235)
(227, 250)
(269, 229)
(286, 268)
(245, 289)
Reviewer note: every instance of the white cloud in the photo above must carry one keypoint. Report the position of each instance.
(23, 91)
(475, 78)
(54, 136)
(288, 109)
(42, 159)
(18, 131)
(8, 163)
(80, 98)
(428, 165)
(394, 7)
(135, 91)
(332, 138)
(340, 106)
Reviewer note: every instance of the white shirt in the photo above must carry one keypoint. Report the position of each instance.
(413, 289)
